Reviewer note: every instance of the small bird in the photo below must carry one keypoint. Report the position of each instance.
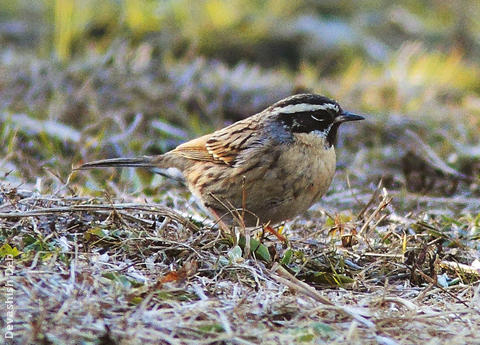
(263, 169)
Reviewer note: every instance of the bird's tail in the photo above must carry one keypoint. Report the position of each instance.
(137, 162)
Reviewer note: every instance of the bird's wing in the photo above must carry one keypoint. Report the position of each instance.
(195, 149)
(225, 145)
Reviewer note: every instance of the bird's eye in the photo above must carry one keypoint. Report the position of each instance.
(318, 119)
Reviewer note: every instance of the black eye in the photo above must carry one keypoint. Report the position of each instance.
(318, 118)
(323, 116)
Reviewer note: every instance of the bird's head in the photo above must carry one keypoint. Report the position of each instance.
(310, 113)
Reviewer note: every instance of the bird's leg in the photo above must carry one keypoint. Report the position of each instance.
(271, 230)
(223, 226)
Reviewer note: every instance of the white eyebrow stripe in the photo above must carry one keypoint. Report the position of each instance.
(303, 107)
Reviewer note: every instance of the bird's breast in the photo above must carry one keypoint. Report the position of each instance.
(299, 176)
(311, 167)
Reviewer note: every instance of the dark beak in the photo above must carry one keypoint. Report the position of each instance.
(347, 116)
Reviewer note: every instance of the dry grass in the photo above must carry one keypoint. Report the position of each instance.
(111, 274)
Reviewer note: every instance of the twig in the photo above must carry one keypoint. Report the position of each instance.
(383, 203)
(101, 208)
(281, 275)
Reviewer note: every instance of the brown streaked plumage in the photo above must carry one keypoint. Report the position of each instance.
(276, 163)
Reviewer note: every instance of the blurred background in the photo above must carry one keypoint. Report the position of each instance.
(83, 80)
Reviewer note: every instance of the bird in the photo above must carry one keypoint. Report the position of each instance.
(264, 169)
